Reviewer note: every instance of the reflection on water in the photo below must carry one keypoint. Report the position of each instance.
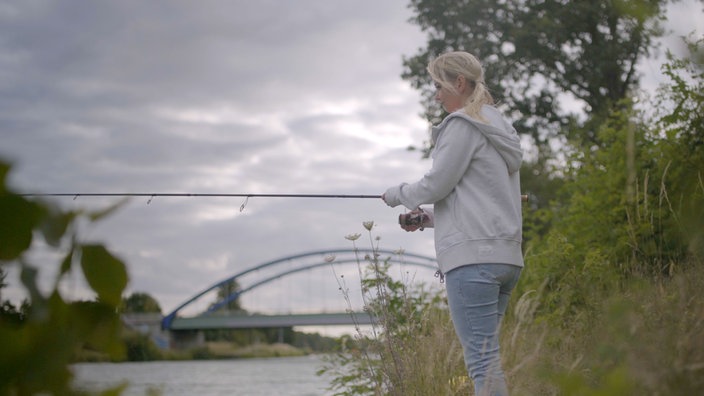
(294, 376)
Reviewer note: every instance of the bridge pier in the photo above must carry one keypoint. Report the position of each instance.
(187, 339)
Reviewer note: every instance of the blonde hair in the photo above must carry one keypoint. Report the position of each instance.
(445, 69)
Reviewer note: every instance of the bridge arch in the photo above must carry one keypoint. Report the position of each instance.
(356, 256)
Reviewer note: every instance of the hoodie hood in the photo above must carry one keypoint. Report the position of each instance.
(499, 132)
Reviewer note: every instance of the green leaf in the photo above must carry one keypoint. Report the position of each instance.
(97, 325)
(54, 226)
(18, 217)
(4, 170)
(66, 263)
(105, 273)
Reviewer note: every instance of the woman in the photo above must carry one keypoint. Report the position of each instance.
(474, 187)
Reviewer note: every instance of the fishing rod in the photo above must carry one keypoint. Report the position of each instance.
(151, 195)
(226, 195)
(524, 198)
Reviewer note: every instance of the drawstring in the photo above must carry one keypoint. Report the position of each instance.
(439, 274)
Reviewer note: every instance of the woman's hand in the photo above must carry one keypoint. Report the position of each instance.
(413, 220)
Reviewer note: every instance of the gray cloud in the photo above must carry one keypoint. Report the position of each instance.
(218, 97)
(212, 97)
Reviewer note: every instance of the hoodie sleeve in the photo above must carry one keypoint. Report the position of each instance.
(454, 148)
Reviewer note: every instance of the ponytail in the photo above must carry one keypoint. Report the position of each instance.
(479, 97)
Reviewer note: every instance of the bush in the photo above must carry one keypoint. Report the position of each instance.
(140, 348)
(35, 352)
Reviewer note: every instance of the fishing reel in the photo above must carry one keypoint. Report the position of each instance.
(413, 219)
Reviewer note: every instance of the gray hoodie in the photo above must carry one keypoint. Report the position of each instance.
(475, 188)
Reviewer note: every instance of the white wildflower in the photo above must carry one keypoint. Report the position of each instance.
(368, 225)
(353, 237)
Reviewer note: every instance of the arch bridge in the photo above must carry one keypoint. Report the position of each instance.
(214, 318)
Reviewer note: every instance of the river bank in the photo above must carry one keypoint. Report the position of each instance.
(216, 350)
(226, 350)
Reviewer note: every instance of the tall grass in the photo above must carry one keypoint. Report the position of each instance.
(411, 350)
(645, 337)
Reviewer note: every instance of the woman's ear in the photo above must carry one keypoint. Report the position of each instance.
(461, 84)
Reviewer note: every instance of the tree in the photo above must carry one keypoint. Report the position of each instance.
(681, 123)
(140, 303)
(635, 206)
(226, 291)
(538, 53)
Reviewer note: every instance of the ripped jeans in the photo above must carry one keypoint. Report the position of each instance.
(478, 295)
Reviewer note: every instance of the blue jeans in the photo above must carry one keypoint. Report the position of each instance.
(478, 295)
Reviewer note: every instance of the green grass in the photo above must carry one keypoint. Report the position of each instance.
(645, 339)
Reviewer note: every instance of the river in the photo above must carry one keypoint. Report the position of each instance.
(289, 376)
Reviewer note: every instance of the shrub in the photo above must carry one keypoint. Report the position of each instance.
(35, 354)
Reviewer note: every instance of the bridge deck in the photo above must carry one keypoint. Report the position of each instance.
(260, 321)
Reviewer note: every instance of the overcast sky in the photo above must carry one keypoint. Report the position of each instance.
(232, 96)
